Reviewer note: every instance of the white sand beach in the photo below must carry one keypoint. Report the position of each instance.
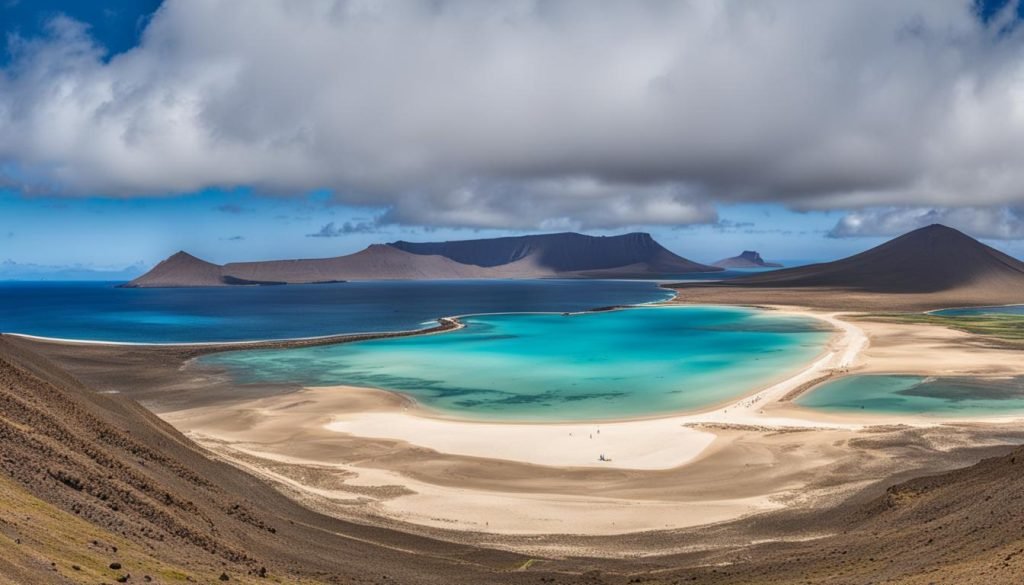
(342, 448)
(655, 443)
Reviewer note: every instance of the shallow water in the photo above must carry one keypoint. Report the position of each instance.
(905, 394)
(1007, 310)
(551, 367)
(99, 311)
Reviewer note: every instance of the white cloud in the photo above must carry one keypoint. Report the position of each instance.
(1001, 223)
(497, 114)
(551, 204)
(330, 230)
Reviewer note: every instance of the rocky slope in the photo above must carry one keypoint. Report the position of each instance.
(101, 488)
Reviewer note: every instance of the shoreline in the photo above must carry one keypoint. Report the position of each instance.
(969, 307)
(443, 324)
(794, 412)
(422, 410)
(287, 342)
(538, 440)
(398, 417)
(491, 482)
(769, 405)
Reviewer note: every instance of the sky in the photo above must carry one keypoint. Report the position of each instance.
(242, 130)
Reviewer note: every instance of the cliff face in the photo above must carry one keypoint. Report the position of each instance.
(552, 255)
(928, 260)
(748, 259)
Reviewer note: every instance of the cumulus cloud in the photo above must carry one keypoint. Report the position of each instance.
(1001, 223)
(527, 113)
(564, 203)
(330, 230)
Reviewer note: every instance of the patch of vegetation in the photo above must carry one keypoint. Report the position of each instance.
(1004, 327)
(525, 566)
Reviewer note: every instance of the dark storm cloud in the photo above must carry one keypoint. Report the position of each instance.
(533, 114)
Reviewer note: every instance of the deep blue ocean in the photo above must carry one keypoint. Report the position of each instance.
(99, 311)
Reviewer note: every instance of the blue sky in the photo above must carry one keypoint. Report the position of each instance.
(242, 137)
(117, 24)
(231, 226)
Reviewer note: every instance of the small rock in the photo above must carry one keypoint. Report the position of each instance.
(224, 577)
(115, 565)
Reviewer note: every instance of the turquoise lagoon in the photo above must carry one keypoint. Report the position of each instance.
(906, 394)
(549, 366)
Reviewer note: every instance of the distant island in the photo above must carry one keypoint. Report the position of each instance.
(561, 255)
(748, 259)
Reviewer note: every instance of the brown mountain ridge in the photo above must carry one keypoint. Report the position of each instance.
(563, 255)
(929, 268)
